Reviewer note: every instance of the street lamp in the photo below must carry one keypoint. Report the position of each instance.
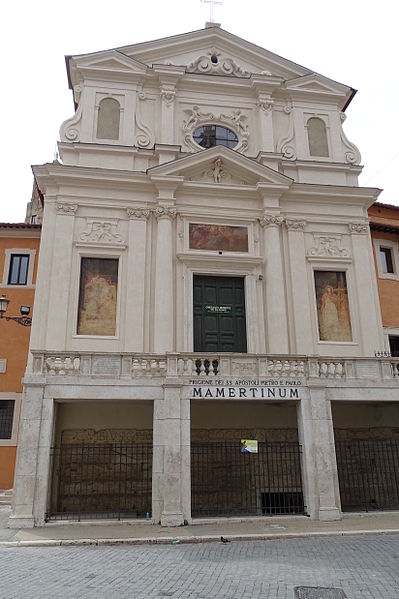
(23, 319)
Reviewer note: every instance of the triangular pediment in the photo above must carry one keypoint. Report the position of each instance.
(317, 84)
(110, 62)
(191, 48)
(221, 166)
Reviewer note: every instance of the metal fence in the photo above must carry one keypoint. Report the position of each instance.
(112, 480)
(227, 482)
(368, 473)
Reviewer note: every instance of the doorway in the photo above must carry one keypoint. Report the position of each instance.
(219, 314)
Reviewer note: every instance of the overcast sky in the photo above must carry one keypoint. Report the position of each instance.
(351, 41)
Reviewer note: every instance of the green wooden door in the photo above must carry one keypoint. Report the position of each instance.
(219, 314)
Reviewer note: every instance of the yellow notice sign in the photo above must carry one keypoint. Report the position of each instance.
(249, 446)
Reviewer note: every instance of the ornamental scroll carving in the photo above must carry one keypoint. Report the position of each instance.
(164, 212)
(270, 220)
(138, 213)
(361, 228)
(213, 63)
(285, 145)
(66, 209)
(70, 129)
(101, 231)
(352, 154)
(237, 121)
(328, 246)
(144, 135)
(295, 225)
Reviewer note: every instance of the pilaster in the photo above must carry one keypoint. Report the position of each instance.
(164, 304)
(276, 305)
(367, 296)
(319, 466)
(299, 285)
(171, 472)
(60, 284)
(135, 286)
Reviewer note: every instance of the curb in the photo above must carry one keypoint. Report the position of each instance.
(187, 540)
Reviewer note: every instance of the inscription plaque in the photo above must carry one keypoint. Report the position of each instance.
(106, 365)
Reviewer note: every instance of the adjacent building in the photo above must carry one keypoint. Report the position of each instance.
(19, 247)
(207, 338)
(384, 225)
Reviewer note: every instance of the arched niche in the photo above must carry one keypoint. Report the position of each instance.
(108, 119)
(317, 137)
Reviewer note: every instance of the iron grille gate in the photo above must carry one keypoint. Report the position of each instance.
(226, 482)
(368, 473)
(112, 480)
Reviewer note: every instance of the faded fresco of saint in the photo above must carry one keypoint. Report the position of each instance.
(97, 296)
(218, 237)
(332, 306)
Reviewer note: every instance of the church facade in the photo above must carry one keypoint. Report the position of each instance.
(207, 338)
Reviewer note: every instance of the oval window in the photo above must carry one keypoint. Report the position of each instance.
(208, 136)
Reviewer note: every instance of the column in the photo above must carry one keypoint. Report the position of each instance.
(299, 287)
(276, 305)
(164, 281)
(366, 286)
(319, 466)
(170, 474)
(135, 287)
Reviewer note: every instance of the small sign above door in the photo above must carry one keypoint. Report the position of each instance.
(218, 309)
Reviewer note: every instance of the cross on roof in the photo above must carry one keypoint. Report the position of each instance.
(211, 5)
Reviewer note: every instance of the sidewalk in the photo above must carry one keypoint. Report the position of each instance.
(141, 532)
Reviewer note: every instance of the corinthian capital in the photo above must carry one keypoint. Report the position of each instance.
(295, 225)
(164, 212)
(270, 220)
(361, 228)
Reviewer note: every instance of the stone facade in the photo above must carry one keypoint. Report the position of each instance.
(146, 199)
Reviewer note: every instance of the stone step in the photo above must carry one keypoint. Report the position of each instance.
(6, 497)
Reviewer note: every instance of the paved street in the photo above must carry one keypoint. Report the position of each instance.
(365, 567)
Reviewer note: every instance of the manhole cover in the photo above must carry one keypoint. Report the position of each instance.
(318, 593)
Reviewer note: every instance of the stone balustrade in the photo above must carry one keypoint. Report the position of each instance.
(220, 366)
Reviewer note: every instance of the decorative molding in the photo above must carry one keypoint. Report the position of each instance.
(66, 209)
(138, 213)
(237, 121)
(101, 231)
(361, 228)
(66, 365)
(327, 246)
(270, 220)
(352, 155)
(285, 145)
(295, 225)
(144, 135)
(164, 212)
(168, 94)
(77, 91)
(214, 64)
(3, 365)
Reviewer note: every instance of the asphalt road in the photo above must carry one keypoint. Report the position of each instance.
(365, 567)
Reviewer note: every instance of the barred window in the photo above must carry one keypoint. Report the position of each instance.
(6, 418)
